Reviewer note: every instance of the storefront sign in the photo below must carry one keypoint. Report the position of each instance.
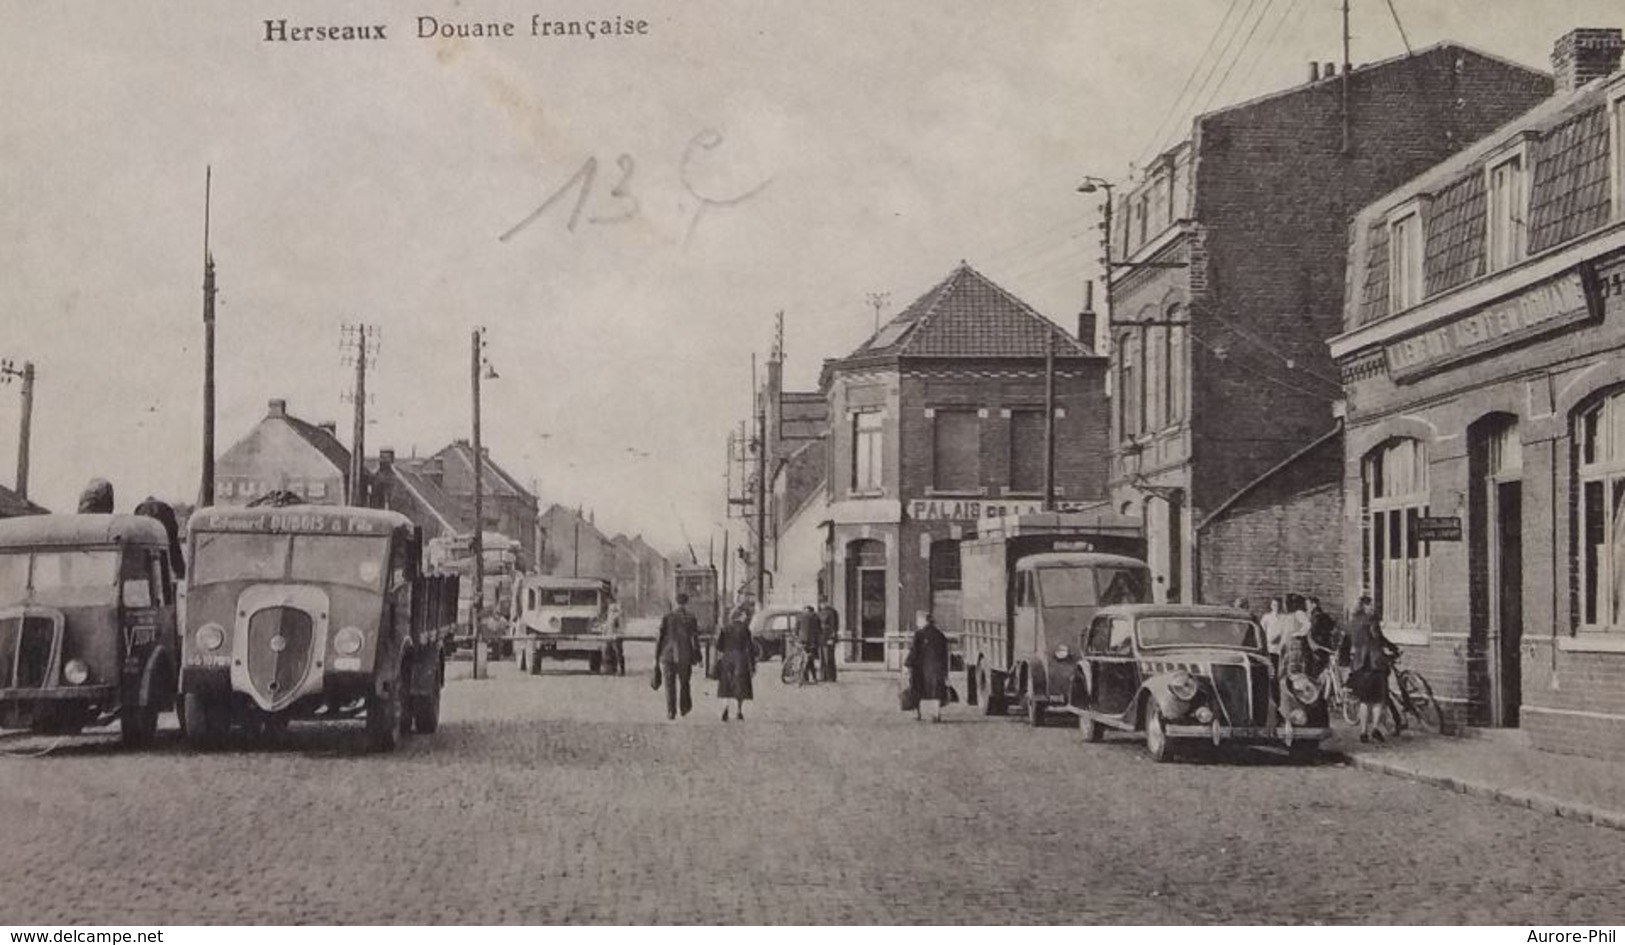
(958, 510)
(1439, 528)
(1535, 311)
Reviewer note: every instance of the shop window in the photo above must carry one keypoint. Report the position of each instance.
(1395, 497)
(866, 444)
(1404, 260)
(1128, 387)
(956, 446)
(1508, 212)
(1026, 451)
(1600, 444)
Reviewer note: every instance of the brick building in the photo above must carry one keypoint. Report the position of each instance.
(445, 480)
(1484, 357)
(935, 421)
(1228, 277)
(283, 452)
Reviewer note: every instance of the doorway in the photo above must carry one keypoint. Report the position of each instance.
(1495, 638)
(866, 600)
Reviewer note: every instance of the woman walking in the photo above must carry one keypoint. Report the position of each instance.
(1368, 652)
(927, 664)
(736, 663)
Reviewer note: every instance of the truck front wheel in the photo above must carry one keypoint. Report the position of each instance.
(994, 699)
(385, 710)
(206, 721)
(425, 708)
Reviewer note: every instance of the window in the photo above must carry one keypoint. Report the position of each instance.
(1026, 451)
(318, 489)
(1395, 497)
(1128, 388)
(956, 446)
(1142, 221)
(944, 565)
(1175, 358)
(1508, 213)
(1600, 442)
(1404, 261)
(225, 486)
(866, 442)
(1616, 109)
(1156, 377)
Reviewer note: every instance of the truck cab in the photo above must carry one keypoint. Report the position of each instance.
(568, 618)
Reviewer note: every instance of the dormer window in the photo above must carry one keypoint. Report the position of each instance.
(1616, 134)
(1507, 199)
(1404, 257)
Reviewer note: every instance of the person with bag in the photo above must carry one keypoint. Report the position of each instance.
(736, 664)
(927, 664)
(676, 651)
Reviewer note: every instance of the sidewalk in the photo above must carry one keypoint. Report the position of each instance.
(1499, 765)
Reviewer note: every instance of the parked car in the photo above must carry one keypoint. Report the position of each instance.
(771, 627)
(1188, 674)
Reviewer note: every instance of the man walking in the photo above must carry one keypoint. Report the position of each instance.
(808, 631)
(676, 650)
(830, 624)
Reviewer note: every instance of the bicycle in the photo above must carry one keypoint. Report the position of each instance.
(1334, 687)
(794, 667)
(1410, 694)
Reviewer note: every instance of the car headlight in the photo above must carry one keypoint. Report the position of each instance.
(348, 641)
(1061, 652)
(1204, 714)
(1299, 717)
(75, 672)
(553, 622)
(210, 637)
(1181, 686)
(1303, 688)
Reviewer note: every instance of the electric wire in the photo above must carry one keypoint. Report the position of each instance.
(1157, 135)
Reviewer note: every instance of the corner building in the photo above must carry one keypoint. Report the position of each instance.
(1484, 469)
(936, 421)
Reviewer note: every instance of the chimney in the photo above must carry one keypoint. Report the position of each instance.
(386, 458)
(1582, 55)
(1314, 72)
(1086, 318)
(331, 428)
(1328, 70)
(277, 408)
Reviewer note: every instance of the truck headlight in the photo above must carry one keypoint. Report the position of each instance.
(1204, 714)
(1181, 686)
(347, 642)
(1061, 652)
(210, 637)
(75, 672)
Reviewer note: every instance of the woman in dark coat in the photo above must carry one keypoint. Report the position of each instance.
(736, 662)
(1368, 652)
(927, 664)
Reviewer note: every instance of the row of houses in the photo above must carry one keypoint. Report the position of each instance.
(1361, 339)
(436, 491)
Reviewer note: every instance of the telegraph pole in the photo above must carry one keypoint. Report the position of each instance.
(360, 343)
(1348, 137)
(206, 487)
(1049, 420)
(761, 500)
(878, 301)
(477, 602)
(25, 426)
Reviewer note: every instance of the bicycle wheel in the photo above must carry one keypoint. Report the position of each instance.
(1417, 696)
(1343, 701)
(795, 663)
(1391, 717)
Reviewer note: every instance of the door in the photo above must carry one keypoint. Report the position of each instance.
(872, 614)
(1116, 674)
(1508, 593)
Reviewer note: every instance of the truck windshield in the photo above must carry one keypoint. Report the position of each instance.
(1091, 586)
(567, 597)
(358, 561)
(1189, 631)
(13, 578)
(58, 570)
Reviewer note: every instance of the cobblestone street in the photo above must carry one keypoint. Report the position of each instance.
(570, 798)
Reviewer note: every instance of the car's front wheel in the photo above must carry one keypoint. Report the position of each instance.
(1157, 744)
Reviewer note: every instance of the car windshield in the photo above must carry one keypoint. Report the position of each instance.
(58, 570)
(1157, 632)
(1092, 586)
(252, 556)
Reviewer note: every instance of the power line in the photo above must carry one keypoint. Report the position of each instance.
(1287, 385)
(1240, 52)
(1193, 109)
(1401, 26)
(1156, 136)
(1267, 347)
(1295, 9)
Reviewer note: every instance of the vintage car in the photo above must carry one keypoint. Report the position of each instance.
(568, 618)
(1182, 673)
(312, 612)
(87, 623)
(772, 627)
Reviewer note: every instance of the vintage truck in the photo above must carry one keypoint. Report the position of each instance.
(453, 555)
(1029, 586)
(568, 618)
(311, 612)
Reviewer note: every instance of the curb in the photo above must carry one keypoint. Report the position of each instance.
(1529, 800)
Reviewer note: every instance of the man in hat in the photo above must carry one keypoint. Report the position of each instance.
(676, 650)
(97, 499)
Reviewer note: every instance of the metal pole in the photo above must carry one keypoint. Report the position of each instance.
(1049, 420)
(575, 549)
(722, 592)
(358, 453)
(761, 504)
(25, 428)
(1348, 135)
(477, 604)
(206, 487)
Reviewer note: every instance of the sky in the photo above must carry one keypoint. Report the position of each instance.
(623, 215)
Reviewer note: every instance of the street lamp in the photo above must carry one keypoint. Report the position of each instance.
(1090, 185)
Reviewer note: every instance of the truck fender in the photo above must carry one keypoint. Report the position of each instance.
(158, 680)
(1157, 688)
(1037, 680)
(1077, 693)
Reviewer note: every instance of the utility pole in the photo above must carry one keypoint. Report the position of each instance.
(575, 548)
(722, 593)
(761, 500)
(477, 602)
(1348, 138)
(878, 300)
(206, 487)
(360, 344)
(1049, 420)
(25, 426)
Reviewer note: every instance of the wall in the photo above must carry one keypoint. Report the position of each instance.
(274, 456)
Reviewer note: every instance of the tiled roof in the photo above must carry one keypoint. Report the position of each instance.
(431, 497)
(497, 479)
(966, 315)
(803, 415)
(13, 505)
(324, 442)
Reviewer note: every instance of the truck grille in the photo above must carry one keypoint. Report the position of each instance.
(575, 625)
(26, 648)
(279, 651)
